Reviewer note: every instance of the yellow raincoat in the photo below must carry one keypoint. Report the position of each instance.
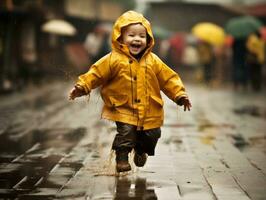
(256, 46)
(130, 88)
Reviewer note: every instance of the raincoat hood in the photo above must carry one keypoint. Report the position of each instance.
(130, 17)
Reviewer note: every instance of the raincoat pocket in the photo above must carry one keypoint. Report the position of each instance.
(155, 106)
(117, 100)
(118, 103)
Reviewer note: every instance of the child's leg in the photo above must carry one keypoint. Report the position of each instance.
(145, 144)
(125, 137)
(123, 143)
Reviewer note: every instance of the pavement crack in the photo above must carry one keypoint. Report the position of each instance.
(209, 184)
(239, 185)
(224, 163)
(179, 190)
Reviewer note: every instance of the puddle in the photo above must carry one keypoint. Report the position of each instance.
(26, 163)
(179, 125)
(130, 185)
(19, 178)
(207, 139)
(10, 144)
(204, 126)
(33, 170)
(209, 131)
(73, 166)
(252, 110)
(239, 141)
(40, 194)
(142, 188)
(134, 189)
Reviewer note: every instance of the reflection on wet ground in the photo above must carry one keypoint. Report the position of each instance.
(26, 163)
(139, 188)
(239, 141)
(252, 110)
(47, 137)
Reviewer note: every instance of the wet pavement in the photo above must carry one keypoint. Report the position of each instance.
(51, 148)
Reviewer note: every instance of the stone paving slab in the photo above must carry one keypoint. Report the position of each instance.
(56, 149)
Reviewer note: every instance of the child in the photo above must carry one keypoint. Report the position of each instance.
(131, 78)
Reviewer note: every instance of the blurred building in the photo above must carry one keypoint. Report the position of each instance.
(27, 53)
(93, 9)
(182, 16)
(18, 40)
(257, 10)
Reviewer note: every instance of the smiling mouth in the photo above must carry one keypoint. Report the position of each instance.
(135, 46)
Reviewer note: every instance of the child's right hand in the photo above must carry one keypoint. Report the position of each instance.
(77, 91)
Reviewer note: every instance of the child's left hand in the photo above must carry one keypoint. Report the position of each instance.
(184, 101)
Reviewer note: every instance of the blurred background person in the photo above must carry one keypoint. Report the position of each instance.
(97, 42)
(255, 59)
(240, 71)
(207, 60)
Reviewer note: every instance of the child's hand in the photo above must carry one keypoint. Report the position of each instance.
(184, 101)
(77, 91)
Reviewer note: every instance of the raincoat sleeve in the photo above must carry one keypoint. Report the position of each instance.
(98, 74)
(170, 82)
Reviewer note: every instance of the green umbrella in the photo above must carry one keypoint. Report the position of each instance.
(161, 32)
(241, 27)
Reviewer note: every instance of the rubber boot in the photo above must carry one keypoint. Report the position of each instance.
(140, 159)
(122, 164)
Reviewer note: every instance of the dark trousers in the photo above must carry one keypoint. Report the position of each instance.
(128, 138)
(256, 76)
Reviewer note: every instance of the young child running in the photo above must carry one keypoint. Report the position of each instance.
(131, 78)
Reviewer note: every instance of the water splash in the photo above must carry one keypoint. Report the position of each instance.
(108, 167)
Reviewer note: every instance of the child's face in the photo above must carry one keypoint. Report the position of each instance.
(135, 37)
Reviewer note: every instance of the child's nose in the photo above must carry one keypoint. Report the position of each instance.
(137, 38)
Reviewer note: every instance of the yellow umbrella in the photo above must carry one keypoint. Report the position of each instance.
(209, 32)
